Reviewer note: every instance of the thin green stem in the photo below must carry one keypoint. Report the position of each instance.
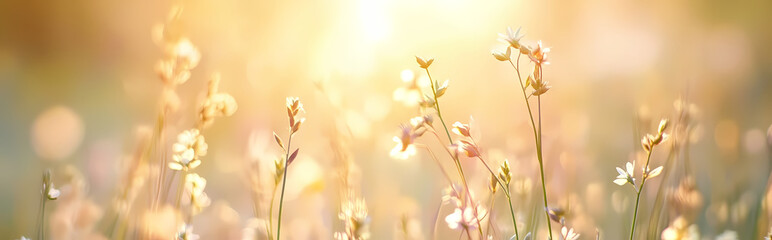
(283, 185)
(504, 188)
(270, 211)
(455, 158)
(640, 190)
(42, 228)
(537, 140)
(437, 106)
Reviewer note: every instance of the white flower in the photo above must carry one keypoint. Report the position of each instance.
(512, 37)
(466, 218)
(186, 233)
(53, 193)
(569, 234)
(626, 176)
(190, 145)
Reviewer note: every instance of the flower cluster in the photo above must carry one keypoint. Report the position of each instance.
(194, 190)
(537, 54)
(189, 147)
(216, 104)
(465, 145)
(649, 141)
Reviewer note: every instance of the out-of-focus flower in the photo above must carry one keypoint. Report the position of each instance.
(450, 195)
(466, 218)
(410, 95)
(53, 193)
(727, 235)
(569, 234)
(56, 133)
(626, 176)
(512, 37)
(189, 147)
(680, 230)
(355, 219)
(163, 223)
(185, 232)
(405, 147)
(216, 104)
(194, 190)
(424, 63)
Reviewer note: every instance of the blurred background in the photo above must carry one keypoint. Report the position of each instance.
(77, 78)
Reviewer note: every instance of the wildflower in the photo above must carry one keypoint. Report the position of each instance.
(465, 218)
(502, 55)
(649, 141)
(557, 214)
(194, 188)
(505, 174)
(404, 147)
(190, 145)
(216, 104)
(647, 173)
(53, 193)
(537, 82)
(424, 63)
(539, 54)
(185, 232)
(680, 230)
(461, 129)
(512, 37)
(686, 199)
(441, 89)
(356, 221)
(468, 148)
(569, 234)
(450, 195)
(294, 107)
(626, 176)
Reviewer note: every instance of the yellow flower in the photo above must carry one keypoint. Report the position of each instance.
(424, 63)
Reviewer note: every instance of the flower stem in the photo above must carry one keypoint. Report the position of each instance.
(640, 190)
(455, 158)
(537, 141)
(283, 184)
